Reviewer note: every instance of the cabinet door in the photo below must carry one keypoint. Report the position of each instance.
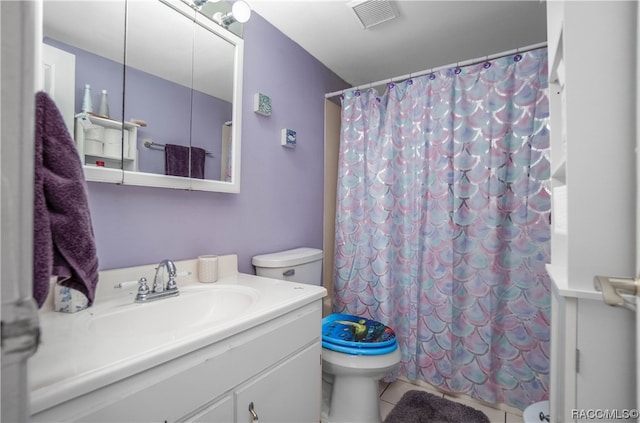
(289, 392)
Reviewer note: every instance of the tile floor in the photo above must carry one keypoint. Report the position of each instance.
(390, 394)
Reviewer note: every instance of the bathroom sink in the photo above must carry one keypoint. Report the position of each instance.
(194, 307)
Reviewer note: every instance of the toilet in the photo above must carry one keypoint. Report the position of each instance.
(356, 352)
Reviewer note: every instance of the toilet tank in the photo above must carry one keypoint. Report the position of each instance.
(302, 265)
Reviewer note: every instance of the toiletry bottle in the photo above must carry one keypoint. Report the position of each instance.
(87, 105)
(104, 105)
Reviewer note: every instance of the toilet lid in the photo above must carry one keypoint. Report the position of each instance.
(357, 335)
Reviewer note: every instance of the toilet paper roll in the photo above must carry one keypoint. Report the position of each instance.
(93, 147)
(208, 268)
(113, 150)
(113, 142)
(112, 136)
(95, 133)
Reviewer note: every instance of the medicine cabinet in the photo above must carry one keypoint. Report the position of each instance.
(173, 78)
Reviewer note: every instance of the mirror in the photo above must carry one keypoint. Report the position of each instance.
(88, 52)
(212, 102)
(181, 77)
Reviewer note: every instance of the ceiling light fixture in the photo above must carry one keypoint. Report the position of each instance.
(372, 12)
(240, 12)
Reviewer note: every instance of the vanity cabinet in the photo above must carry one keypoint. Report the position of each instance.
(277, 395)
(276, 366)
(592, 171)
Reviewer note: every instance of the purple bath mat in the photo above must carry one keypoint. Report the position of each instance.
(423, 407)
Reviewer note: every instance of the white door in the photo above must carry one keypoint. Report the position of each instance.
(59, 80)
(627, 286)
(637, 205)
(21, 34)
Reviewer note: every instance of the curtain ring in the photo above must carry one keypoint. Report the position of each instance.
(518, 56)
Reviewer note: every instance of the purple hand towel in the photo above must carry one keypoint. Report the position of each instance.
(197, 162)
(63, 242)
(177, 159)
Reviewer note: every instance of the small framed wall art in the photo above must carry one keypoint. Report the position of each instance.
(262, 104)
(288, 138)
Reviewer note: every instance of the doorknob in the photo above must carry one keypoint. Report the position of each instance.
(612, 287)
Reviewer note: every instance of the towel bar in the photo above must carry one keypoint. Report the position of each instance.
(158, 146)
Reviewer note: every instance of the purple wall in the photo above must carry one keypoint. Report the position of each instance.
(281, 196)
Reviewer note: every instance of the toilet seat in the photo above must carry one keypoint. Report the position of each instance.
(356, 335)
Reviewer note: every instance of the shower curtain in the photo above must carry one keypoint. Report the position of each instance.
(443, 224)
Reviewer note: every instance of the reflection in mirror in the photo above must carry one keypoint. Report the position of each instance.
(89, 52)
(158, 79)
(212, 104)
(182, 91)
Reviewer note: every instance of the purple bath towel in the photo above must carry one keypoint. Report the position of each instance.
(197, 162)
(176, 161)
(63, 241)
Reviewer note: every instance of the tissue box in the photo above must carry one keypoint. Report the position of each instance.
(67, 300)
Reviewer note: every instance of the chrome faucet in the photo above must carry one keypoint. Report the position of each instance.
(158, 289)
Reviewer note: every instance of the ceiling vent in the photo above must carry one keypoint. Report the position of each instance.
(372, 12)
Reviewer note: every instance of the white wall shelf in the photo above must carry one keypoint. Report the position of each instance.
(123, 157)
(558, 275)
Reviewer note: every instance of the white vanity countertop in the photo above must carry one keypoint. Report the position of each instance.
(77, 356)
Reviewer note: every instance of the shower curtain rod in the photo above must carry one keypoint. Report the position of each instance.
(428, 71)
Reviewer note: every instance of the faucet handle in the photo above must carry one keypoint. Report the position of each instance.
(171, 284)
(143, 288)
(173, 273)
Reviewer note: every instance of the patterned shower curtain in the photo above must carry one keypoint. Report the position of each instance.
(443, 224)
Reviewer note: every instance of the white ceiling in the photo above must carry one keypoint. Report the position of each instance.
(427, 34)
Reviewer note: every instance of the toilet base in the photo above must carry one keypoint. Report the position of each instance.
(351, 399)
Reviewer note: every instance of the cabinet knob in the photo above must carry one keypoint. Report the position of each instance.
(254, 415)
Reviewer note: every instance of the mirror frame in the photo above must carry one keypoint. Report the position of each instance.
(126, 177)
